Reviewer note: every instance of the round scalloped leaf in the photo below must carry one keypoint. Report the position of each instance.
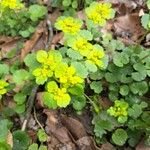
(48, 100)
(96, 86)
(79, 102)
(74, 54)
(34, 146)
(124, 90)
(80, 69)
(42, 136)
(21, 140)
(119, 137)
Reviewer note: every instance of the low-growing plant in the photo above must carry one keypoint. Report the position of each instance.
(90, 66)
(16, 19)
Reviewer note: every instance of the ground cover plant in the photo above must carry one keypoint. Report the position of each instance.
(71, 77)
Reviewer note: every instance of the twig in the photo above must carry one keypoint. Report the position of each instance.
(36, 119)
(50, 33)
(34, 90)
(29, 109)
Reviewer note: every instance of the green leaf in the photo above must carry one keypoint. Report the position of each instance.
(5, 146)
(74, 54)
(119, 137)
(42, 136)
(34, 146)
(76, 90)
(4, 69)
(96, 75)
(90, 66)
(43, 147)
(31, 62)
(66, 3)
(20, 76)
(5, 125)
(36, 12)
(79, 102)
(20, 98)
(145, 20)
(48, 100)
(124, 90)
(135, 111)
(80, 69)
(101, 127)
(139, 76)
(96, 86)
(20, 108)
(120, 59)
(21, 140)
(25, 33)
(139, 88)
(86, 34)
(110, 77)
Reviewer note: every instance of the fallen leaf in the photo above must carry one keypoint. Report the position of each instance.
(129, 27)
(53, 126)
(74, 126)
(30, 44)
(86, 143)
(107, 146)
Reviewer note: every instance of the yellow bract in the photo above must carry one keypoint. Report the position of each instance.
(95, 57)
(3, 85)
(68, 25)
(69, 78)
(62, 98)
(82, 46)
(99, 12)
(12, 4)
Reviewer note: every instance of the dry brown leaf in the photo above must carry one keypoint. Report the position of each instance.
(129, 27)
(86, 143)
(74, 127)
(107, 146)
(30, 44)
(53, 16)
(8, 45)
(58, 38)
(54, 127)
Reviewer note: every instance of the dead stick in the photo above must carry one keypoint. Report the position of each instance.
(30, 105)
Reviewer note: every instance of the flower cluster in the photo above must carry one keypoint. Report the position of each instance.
(12, 4)
(60, 95)
(99, 12)
(3, 85)
(62, 75)
(119, 110)
(49, 61)
(68, 25)
(92, 53)
(69, 77)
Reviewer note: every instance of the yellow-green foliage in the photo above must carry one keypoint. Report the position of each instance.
(12, 4)
(99, 13)
(3, 85)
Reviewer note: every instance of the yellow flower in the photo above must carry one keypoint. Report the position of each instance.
(95, 55)
(82, 46)
(12, 4)
(68, 25)
(3, 85)
(69, 78)
(62, 97)
(100, 12)
(42, 74)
